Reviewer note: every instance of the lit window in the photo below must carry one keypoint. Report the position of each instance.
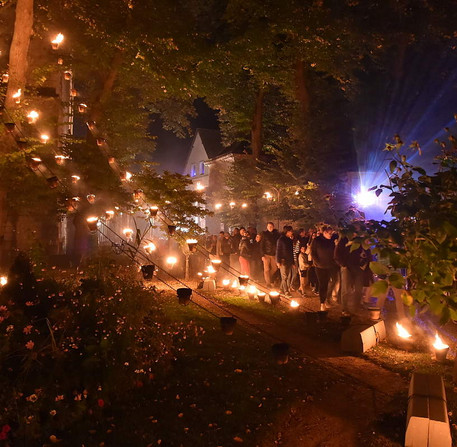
(202, 167)
(193, 171)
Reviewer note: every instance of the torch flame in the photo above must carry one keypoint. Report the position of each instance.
(225, 282)
(402, 332)
(150, 247)
(171, 260)
(3, 281)
(234, 284)
(127, 232)
(294, 304)
(58, 39)
(211, 269)
(439, 343)
(17, 94)
(252, 290)
(33, 116)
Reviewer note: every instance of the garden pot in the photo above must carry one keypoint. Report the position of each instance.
(243, 280)
(228, 325)
(148, 271)
(184, 295)
(274, 298)
(281, 353)
(375, 313)
(441, 354)
(322, 315)
(171, 229)
(261, 297)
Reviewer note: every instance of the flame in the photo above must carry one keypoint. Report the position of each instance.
(234, 284)
(211, 269)
(225, 282)
(3, 281)
(44, 138)
(127, 176)
(199, 187)
(58, 39)
(171, 260)
(33, 116)
(128, 232)
(232, 204)
(17, 94)
(439, 343)
(92, 219)
(268, 195)
(273, 293)
(109, 214)
(402, 332)
(218, 206)
(244, 205)
(75, 178)
(150, 247)
(294, 304)
(191, 241)
(37, 159)
(252, 290)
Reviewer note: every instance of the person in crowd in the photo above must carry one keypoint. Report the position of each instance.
(322, 252)
(234, 258)
(256, 259)
(211, 245)
(245, 250)
(312, 277)
(269, 239)
(252, 231)
(224, 249)
(303, 267)
(355, 273)
(285, 258)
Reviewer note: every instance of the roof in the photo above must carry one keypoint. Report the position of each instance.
(212, 143)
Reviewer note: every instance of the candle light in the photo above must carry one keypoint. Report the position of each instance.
(216, 264)
(57, 41)
(294, 304)
(150, 247)
(261, 296)
(252, 292)
(128, 233)
(402, 332)
(154, 210)
(232, 204)
(226, 284)
(243, 279)
(3, 281)
(441, 349)
(17, 96)
(109, 214)
(90, 198)
(67, 75)
(60, 159)
(126, 176)
(5, 78)
(171, 261)
(244, 205)
(218, 206)
(75, 178)
(44, 138)
(32, 116)
(82, 108)
(274, 297)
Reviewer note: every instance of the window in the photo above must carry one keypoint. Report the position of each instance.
(202, 167)
(193, 171)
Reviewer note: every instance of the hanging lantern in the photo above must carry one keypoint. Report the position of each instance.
(10, 127)
(228, 325)
(192, 245)
(57, 41)
(75, 178)
(92, 223)
(171, 229)
(21, 144)
(34, 163)
(243, 280)
(5, 78)
(67, 75)
(148, 271)
(82, 108)
(109, 214)
(281, 353)
(91, 198)
(53, 182)
(184, 295)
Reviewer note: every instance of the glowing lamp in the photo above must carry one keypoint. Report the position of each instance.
(244, 205)
(252, 292)
(111, 160)
(199, 187)
(274, 297)
(232, 204)
(211, 270)
(294, 304)
(82, 108)
(216, 263)
(441, 349)
(32, 116)
(154, 210)
(171, 261)
(192, 245)
(261, 296)
(34, 163)
(60, 159)
(128, 233)
(267, 195)
(59, 61)
(3, 281)
(365, 198)
(218, 206)
(5, 78)
(243, 279)
(126, 176)
(67, 75)
(402, 332)
(92, 223)
(57, 41)
(109, 214)
(17, 96)
(75, 178)
(44, 138)
(90, 198)
(150, 247)
(226, 284)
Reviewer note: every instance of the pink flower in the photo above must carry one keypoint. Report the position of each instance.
(30, 345)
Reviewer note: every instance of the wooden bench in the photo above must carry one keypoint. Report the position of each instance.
(427, 422)
(361, 337)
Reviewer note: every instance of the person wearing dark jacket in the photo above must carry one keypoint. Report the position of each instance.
(355, 273)
(322, 252)
(269, 239)
(224, 248)
(245, 250)
(285, 258)
(256, 259)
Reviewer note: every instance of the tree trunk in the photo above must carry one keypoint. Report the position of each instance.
(256, 127)
(19, 49)
(302, 92)
(108, 85)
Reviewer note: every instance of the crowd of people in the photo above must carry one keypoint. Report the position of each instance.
(314, 261)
